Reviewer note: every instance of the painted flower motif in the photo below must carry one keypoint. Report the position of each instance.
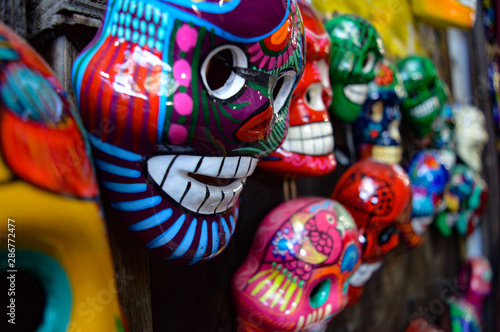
(385, 76)
(284, 243)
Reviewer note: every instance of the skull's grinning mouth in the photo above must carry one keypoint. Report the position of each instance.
(211, 181)
(199, 184)
(315, 139)
(425, 108)
(356, 93)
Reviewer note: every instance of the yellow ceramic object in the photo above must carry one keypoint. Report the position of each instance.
(392, 19)
(446, 13)
(71, 232)
(50, 224)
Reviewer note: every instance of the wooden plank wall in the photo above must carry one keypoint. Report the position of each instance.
(160, 296)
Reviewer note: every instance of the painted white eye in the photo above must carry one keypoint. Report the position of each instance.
(217, 74)
(314, 98)
(282, 90)
(324, 72)
(369, 63)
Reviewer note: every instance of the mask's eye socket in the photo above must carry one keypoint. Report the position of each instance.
(217, 74)
(282, 90)
(369, 63)
(314, 98)
(386, 235)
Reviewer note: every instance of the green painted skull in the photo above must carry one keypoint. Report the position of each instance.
(427, 93)
(356, 52)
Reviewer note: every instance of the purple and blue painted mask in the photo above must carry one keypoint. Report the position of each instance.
(181, 99)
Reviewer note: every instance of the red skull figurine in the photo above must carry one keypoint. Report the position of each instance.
(295, 277)
(376, 195)
(308, 146)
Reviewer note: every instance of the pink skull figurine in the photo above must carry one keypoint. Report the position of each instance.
(308, 146)
(466, 311)
(181, 98)
(295, 277)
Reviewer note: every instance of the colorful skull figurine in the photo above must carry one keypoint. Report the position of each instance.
(471, 136)
(296, 275)
(54, 238)
(429, 178)
(465, 200)
(308, 146)
(427, 93)
(466, 311)
(446, 13)
(377, 128)
(181, 99)
(376, 195)
(356, 51)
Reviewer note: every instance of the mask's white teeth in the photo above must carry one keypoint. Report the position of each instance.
(357, 93)
(425, 108)
(364, 273)
(204, 185)
(316, 316)
(315, 139)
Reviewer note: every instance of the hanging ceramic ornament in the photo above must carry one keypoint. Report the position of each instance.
(471, 135)
(429, 178)
(297, 272)
(53, 233)
(377, 195)
(466, 310)
(376, 130)
(356, 52)
(308, 146)
(427, 93)
(465, 199)
(181, 99)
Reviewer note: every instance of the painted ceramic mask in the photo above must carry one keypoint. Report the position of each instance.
(466, 311)
(465, 200)
(446, 13)
(53, 230)
(377, 128)
(296, 275)
(308, 146)
(429, 178)
(471, 136)
(443, 138)
(427, 93)
(356, 51)
(181, 99)
(376, 194)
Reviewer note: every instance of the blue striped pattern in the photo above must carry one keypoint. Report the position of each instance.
(138, 205)
(117, 170)
(226, 230)
(215, 238)
(186, 241)
(202, 246)
(151, 222)
(168, 234)
(129, 188)
(113, 150)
